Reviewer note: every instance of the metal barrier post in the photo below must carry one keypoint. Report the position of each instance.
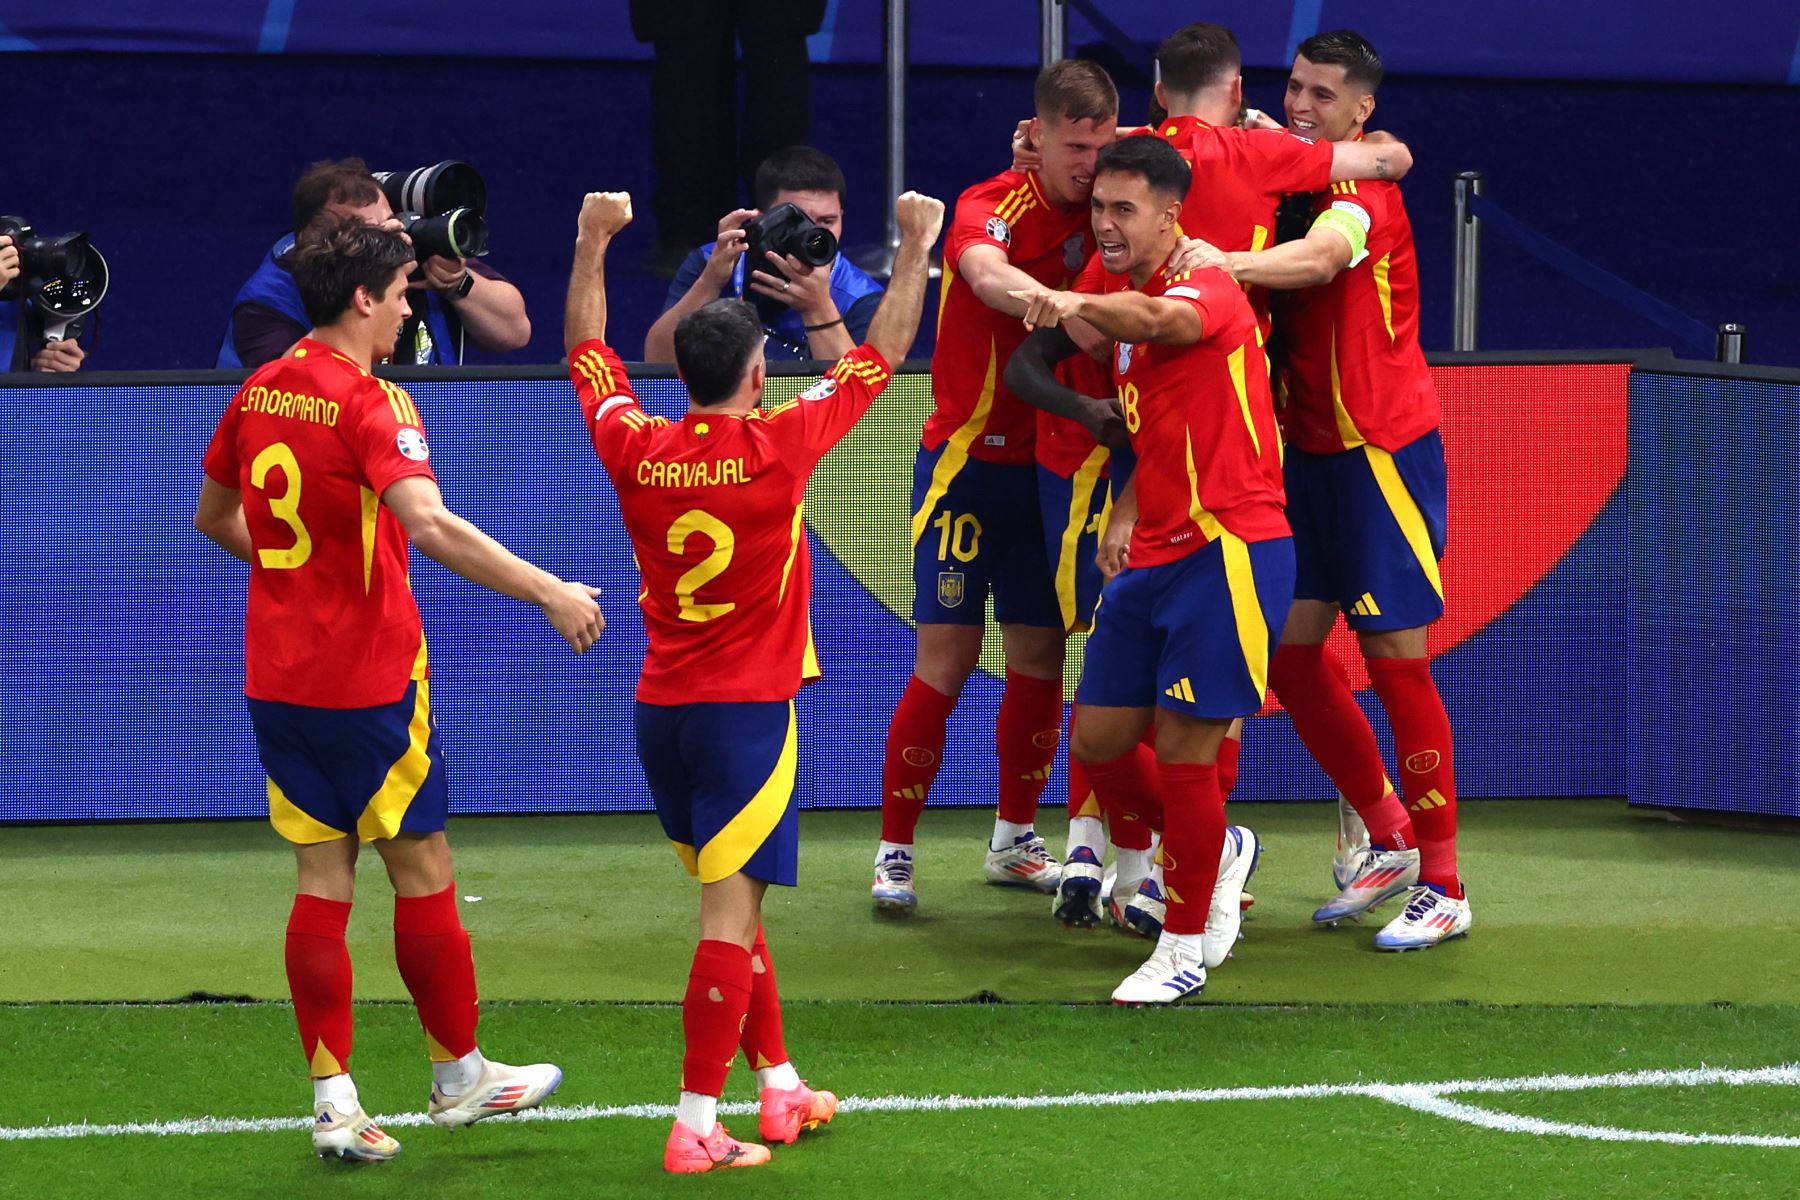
(1466, 319)
(879, 260)
(1731, 343)
(1052, 32)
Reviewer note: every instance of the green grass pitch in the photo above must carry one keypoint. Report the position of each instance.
(1607, 944)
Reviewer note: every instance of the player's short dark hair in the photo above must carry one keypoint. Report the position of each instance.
(336, 254)
(1197, 56)
(713, 347)
(1347, 49)
(1159, 163)
(332, 181)
(798, 169)
(1075, 89)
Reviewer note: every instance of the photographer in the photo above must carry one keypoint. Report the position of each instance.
(815, 312)
(451, 296)
(22, 345)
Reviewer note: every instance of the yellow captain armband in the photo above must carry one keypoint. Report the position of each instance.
(1352, 221)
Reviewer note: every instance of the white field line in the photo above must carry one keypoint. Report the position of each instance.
(1428, 1098)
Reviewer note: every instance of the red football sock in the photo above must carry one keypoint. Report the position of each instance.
(1427, 775)
(1314, 687)
(713, 1014)
(1025, 737)
(1133, 805)
(1227, 764)
(318, 971)
(1193, 840)
(762, 1041)
(915, 750)
(432, 950)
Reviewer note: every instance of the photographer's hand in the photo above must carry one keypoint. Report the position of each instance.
(64, 357)
(445, 275)
(732, 242)
(9, 260)
(806, 290)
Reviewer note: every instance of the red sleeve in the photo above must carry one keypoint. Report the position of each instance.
(815, 422)
(1092, 279)
(1209, 291)
(388, 438)
(977, 221)
(221, 462)
(608, 405)
(1281, 163)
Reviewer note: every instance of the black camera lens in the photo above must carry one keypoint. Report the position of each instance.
(460, 233)
(816, 247)
(435, 190)
(788, 231)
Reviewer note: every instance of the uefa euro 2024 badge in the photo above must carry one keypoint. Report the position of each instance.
(411, 443)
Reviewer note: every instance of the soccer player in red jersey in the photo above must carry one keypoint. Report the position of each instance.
(975, 515)
(317, 476)
(1182, 637)
(713, 506)
(1366, 495)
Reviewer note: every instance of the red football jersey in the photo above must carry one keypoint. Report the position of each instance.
(713, 506)
(1239, 178)
(1064, 446)
(973, 408)
(1202, 422)
(1355, 372)
(313, 440)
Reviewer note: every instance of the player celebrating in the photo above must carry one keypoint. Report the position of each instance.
(713, 506)
(975, 523)
(1183, 636)
(1366, 489)
(317, 476)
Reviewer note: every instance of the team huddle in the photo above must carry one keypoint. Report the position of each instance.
(1154, 420)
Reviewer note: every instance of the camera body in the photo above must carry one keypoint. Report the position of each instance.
(443, 208)
(788, 231)
(64, 277)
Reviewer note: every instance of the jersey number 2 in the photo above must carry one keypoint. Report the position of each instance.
(707, 569)
(285, 507)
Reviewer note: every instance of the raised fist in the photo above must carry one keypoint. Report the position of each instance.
(604, 213)
(920, 217)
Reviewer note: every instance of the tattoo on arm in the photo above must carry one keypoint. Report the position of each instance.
(1381, 168)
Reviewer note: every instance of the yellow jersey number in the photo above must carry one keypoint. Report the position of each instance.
(1128, 400)
(958, 537)
(284, 508)
(707, 569)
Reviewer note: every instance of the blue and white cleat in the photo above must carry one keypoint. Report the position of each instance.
(1429, 917)
(1171, 974)
(1384, 874)
(893, 890)
(1077, 903)
(1352, 845)
(1225, 918)
(1144, 912)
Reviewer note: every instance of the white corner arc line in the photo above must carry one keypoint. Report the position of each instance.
(1428, 1098)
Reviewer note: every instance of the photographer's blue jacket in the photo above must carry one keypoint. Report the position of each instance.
(853, 290)
(273, 288)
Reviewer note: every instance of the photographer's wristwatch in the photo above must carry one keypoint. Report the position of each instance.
(462, 289)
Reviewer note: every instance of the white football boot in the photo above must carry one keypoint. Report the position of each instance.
(1429, 917)
(1352, 845)
(893, 890)
(352, 1135)
(1225, 919)
(1383, 875)
(1025, 863)
(499, 1091)
(1172, 973)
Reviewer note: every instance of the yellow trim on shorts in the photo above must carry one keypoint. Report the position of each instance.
(690, 861)
(1081, 498)
(1407, 513)
(387, 807)
(295, 824)
(956, 450)
(1246, 607)
(744, 834)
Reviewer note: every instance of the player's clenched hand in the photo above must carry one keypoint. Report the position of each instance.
(1115, 547)
(574, 614)
(920, 217)
(1105, 422)
(1192, 253)
(1046, 308)
(1026, 155)
(604, 214)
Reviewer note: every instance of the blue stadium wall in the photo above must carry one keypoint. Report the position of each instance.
(121, 674)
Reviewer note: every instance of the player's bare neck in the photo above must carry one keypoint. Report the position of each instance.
(1144, 273)
(1211, 105)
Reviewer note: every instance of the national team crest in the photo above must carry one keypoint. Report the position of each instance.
(1000, 231)
(1124, 357)
(1075, 252)
(950, 588)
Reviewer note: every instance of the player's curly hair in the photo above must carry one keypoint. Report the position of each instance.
(338, 253)
(713, 348)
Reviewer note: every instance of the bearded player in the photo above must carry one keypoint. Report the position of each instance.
(1182, 638)
(713, 506)
(1367, 498)
(317, 476)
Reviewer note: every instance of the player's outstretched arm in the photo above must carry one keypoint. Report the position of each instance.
(1031, 375)
(220, 516)
(603, 214)
(446, 538)
(896, 321)
(1120, 317)
(1379, 155)
(1329, 246)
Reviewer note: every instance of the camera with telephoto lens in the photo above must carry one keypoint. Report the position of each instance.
(443, 208)
(63, 277)
(788, 231)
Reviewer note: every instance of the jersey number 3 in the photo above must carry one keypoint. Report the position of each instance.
(694, 521)
(284, 508)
